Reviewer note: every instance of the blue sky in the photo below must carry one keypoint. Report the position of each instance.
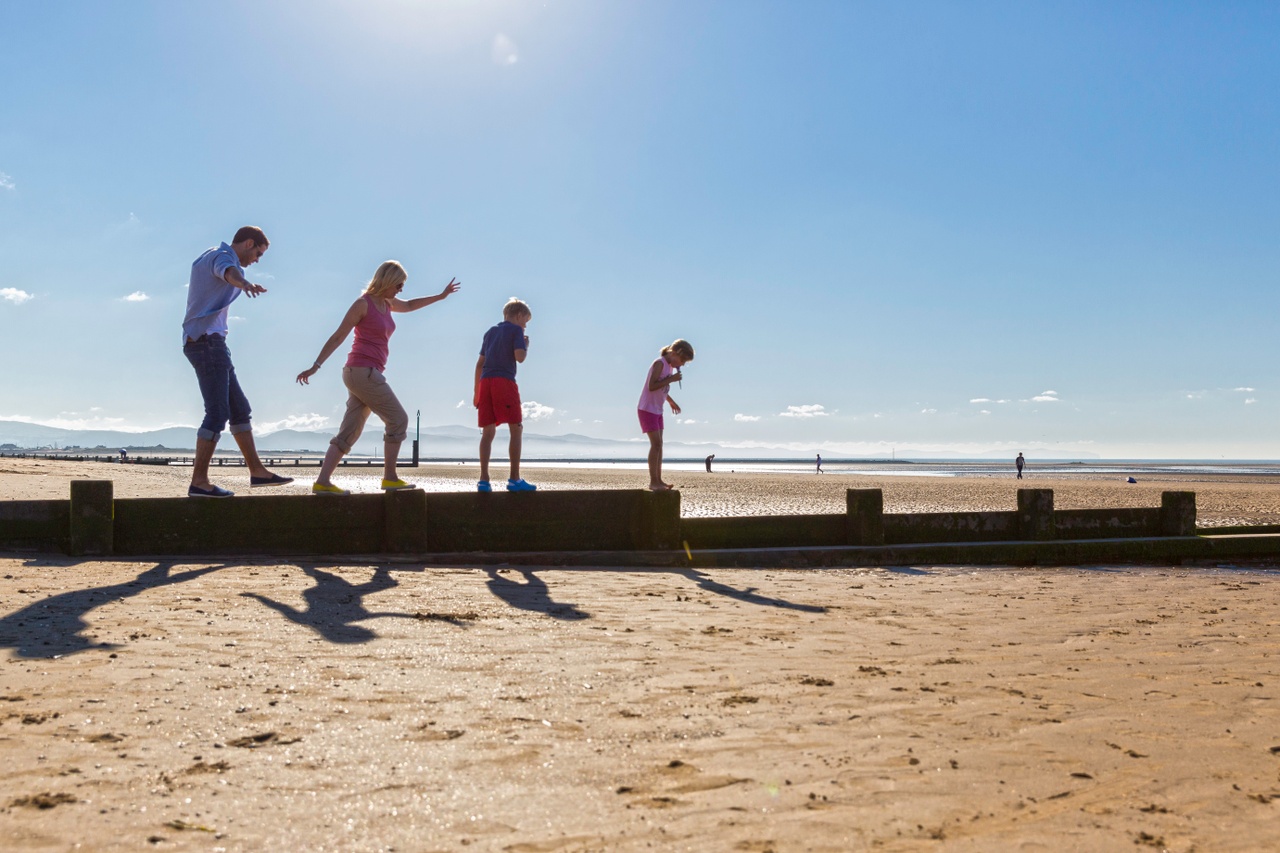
(882, 225)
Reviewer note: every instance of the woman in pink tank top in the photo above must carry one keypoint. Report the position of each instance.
(367, 389)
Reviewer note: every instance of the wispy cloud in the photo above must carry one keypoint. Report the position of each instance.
(91, 420)
(1245, 390)
(1046, 397)
(136, 296)
(74, 420)
(928, 411)
(309, 421)
(982, 400)
(461, 404)
(504, 51)
(534, 411)
(808, 411)
(1248, 400)
(746, 419)
(12, 294)
(6, 182)
(688, 421)
(131, 226)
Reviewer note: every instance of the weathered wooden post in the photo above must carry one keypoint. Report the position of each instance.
(1178, 514)
(865, 516)
(404, 521)
(1035, 514)
(657, 526)
(92, 517)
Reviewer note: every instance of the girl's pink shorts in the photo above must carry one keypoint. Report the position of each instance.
(649, 421)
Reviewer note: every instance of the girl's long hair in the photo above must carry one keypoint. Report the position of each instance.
(680, 347)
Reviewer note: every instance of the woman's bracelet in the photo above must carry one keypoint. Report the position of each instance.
(315, 366)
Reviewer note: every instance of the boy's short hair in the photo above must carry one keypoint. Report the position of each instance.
(516, 308)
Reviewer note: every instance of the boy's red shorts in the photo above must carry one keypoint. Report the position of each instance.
(498, 401)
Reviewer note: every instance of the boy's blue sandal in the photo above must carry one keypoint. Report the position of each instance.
(520, 486)
(483, 486)
(211, 492)
(273, 480)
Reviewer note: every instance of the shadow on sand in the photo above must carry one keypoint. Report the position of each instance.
(747, 595)
(53, 626)
(532, 595)
(334, 605)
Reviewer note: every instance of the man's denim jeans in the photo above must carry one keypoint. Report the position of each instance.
(223, 399)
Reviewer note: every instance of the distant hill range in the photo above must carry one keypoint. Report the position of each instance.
(437, 441)
(450, 442)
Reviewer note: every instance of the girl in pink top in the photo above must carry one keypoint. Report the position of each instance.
(664, 370)
(370, 317)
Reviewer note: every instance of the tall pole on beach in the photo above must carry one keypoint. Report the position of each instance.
(417, 433)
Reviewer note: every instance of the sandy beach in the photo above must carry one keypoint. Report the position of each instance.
(319, 706)
(349, 705)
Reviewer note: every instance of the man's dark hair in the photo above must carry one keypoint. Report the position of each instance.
(251, 232)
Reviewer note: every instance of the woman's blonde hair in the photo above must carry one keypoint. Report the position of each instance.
(680, 347)
(387, 280)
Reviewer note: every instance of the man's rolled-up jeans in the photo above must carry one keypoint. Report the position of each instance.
(223, 399)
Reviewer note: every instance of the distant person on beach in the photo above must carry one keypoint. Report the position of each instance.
(664, 371)
(819, 464)
(217, 279)
(367, 389)
(708, 461)
(1019, 463)
(496, 395)
(124, 455)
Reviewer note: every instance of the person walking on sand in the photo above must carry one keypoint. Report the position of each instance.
(496, 395)
(819, 464)
(664, 371)
(1019, 463)
(217, 279)
(371, 318)
(708, 461)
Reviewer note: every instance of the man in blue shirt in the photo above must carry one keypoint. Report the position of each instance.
(217, 279)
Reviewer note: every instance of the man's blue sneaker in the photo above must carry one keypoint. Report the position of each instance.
(520, 486)
(483, 486)
(211, 492)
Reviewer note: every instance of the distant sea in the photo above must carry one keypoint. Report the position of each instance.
(952, 468)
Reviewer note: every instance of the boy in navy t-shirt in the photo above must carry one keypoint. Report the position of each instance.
(497, 397)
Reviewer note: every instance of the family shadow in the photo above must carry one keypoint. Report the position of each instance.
(333, 607)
